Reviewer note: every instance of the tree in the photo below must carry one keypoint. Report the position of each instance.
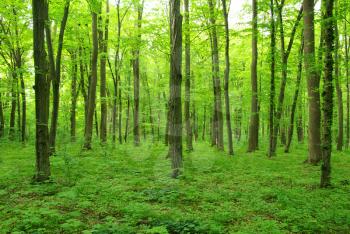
(340, 137)
(103, 91)
(313, 83)
(218, 126)
(227, 77)
(272, 80)
(285, 52)
(189, 134)
(327, 94)
(295, 98)
(41, 88)
(136, 72)
(253, 141)
(56, 74)
(175, 105)
(92, 86)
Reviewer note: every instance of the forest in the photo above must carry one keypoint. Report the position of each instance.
(174, 116)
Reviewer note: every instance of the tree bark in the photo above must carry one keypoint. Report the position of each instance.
(253, 139)
(41, 87)
(327, 93)
(92, 87)
(175, 105)
(227, 78)
(313, 83)
(219, 127)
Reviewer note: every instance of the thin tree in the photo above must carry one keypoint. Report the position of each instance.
(227, 78)
(56, 74)
(92, 86)
(327, 94)
(272, 79)
(295, 98)
(253, 138)
(189, 134)
(175, 112)
(103, 89)
(285, 52)
(41, 88)
(136, 72)
(340, 137)
(218, 116)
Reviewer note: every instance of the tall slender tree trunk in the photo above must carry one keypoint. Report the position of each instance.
(253, 139)
(340, 137)
(227, 78)
(295, 98)
(120, 136)
(175, 112)
(313, 83)
(74, 97)
(103, 92)
(327, 93)
(272, 81)
(346, 43)
(12, 131)
(219, 127)
(56, 80)
(2, 119)
(92, 87)
(41, 88)
(285, 56)
(24, 108)
(136, 72)
(189, 140)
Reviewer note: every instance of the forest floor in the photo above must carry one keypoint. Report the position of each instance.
(129, 190)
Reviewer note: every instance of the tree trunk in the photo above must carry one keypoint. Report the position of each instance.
(227, 78)
(340, 137)
(271, 151)
(41, 87)
(219, 127)
(189, 140)
(2, 119)
(74, 96)
(346, 43)
(284, 55)
(92, 86)
(175, 105)
(24, 108)
(12, 131)
(253, 139)
(327, 93)
(103, 92)
(120, 135)
(313, 83)
(136, 72)
(295, 98)
(56, 80)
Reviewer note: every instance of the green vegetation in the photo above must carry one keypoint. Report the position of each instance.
(129, 190)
